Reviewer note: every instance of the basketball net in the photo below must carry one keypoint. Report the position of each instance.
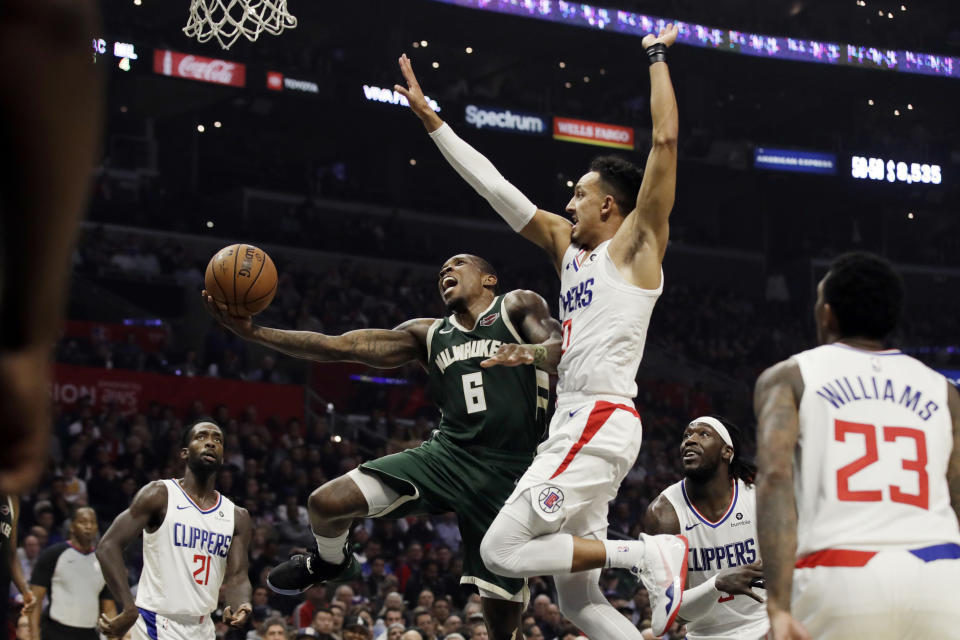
(227, 20)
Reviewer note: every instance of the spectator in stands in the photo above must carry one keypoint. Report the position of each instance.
(394, 632)
(532, 632)
(357, 627)
(74, 488)
(267, 372)
(27, 555)
(425, 622)
(478, 630)
(441, 609)
(293, 525)
(274, 629)
(412, 634)
(315, 599)
(453, 624)
(323, 622)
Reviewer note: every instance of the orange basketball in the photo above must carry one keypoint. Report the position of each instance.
(242, 277)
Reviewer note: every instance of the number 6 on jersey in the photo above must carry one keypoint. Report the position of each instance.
(473, 392)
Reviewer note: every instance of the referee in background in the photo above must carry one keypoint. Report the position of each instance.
(69, 575)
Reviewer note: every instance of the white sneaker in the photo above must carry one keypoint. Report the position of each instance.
(664, 574)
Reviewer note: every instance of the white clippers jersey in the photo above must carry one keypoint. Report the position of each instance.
(185, 559)
(605, 322)
(871, 462)
(729, 542)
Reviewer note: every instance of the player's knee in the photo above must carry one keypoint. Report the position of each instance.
(338, 498)
(496, 553)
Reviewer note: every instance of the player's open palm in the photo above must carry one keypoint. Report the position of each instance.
(240, 325)
(668, 35)
(784, 626)
(509, 355)
(736, 580)
(412, 92)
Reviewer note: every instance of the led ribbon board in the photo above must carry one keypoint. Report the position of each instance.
(730, 40)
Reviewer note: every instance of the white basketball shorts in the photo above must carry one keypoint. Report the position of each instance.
(156, 626)
(592, 444)
(894, 594)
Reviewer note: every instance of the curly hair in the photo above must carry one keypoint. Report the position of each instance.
(866, 295)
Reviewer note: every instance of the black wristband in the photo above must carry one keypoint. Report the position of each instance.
(657, 52)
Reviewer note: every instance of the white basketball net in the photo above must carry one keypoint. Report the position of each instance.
(227, 20)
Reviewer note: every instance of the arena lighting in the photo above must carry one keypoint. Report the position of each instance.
(910, 215)
(563, 65)
(209, 224)
(423, 43)
(217, 124)
(201, 128)
(413, 162)
(910, 107)
(896, 112)
(469, 49)
(724, 39)
(435, 65)
(870, 102)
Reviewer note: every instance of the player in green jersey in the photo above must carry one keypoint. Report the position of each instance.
(492, 420)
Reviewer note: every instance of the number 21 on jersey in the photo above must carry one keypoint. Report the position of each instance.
(202, 574)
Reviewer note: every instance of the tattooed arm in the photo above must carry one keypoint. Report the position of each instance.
(776, 402)
(383, 348)
(530, 314)
(953, 468)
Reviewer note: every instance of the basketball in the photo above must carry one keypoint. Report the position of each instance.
(242, 277)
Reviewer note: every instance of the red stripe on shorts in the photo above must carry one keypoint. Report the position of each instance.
(600, 413)
(835, 558)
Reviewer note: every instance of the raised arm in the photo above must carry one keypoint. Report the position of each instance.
(548, 231)
(383, 348)
(640, 243)
(776, 402)
(531, 315)
(148, 509)
(236, 583)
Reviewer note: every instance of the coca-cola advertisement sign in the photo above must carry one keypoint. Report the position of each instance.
(184, 65)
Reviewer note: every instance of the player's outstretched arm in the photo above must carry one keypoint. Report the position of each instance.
(776, 401)
(383, 348)
(647, 225)
(530, 314)
(49, 152)
(148, 509)
(548, 231)
(236, 583)
(953, 467)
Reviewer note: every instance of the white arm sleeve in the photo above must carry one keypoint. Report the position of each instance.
(473, 166)
(698, 601)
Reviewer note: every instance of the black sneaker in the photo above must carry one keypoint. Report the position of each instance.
(304, 570)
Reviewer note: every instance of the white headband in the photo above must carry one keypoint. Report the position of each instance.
(718, 427)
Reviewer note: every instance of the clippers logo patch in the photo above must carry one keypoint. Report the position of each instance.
(551, 499)
(489, 320)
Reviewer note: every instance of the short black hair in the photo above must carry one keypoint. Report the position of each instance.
(621, 177)
(866, 295)
(740, 467)
(487, 269)
(187, 433)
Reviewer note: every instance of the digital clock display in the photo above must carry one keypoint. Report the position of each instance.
(863, 168)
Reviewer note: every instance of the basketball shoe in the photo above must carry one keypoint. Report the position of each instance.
(304, 570)
(663, 571)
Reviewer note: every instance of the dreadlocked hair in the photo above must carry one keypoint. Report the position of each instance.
(740, 467)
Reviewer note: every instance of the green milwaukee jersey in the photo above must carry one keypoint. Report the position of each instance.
(501, 408)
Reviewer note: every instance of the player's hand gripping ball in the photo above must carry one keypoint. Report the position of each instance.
(242, 278)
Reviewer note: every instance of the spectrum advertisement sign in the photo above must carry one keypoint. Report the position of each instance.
(598, 133)
(796, 161)
(191, 67)
(505, 120)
